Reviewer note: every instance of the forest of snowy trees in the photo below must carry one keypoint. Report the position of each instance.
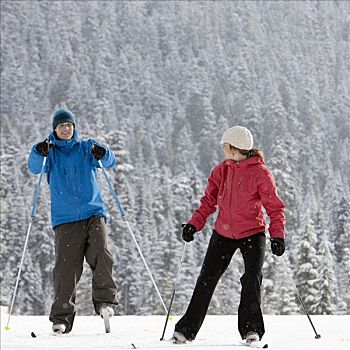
(159, 82)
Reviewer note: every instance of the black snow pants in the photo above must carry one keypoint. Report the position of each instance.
(73, 242)
(216, 261)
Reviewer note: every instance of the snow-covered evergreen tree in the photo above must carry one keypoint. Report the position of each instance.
(340, 227)
(326, 300)
(307, 262)
(166, 79)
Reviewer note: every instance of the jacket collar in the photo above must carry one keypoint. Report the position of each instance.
(64, 143)
(244, 163)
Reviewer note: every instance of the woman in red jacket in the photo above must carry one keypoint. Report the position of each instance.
(238, 187)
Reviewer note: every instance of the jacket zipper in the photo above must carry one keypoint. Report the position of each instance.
(239, 184)
(231, 215)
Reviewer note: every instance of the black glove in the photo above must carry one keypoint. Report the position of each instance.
(188, 232)
(98, 152)
(43, 147)
(277, 246)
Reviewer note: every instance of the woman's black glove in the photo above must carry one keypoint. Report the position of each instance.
(188, 232)
(98, 152)
(43, 147)
(277, 246)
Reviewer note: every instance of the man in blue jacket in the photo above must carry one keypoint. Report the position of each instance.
(78, 217)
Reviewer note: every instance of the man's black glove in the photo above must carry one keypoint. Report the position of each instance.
(98, 152)
(43, 147)
(277, 246)
(188, 232)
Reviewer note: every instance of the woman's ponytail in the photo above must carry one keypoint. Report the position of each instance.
(254, 152)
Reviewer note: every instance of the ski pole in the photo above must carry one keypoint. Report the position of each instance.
(36, 195)
(122, 212)
(174, 289)
(317, 336)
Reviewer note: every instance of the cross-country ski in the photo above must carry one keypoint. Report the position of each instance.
(216, 333)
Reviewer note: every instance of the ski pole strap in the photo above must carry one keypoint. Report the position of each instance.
(36, 195)
(116, 200)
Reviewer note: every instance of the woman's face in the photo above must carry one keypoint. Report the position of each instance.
(232, 153)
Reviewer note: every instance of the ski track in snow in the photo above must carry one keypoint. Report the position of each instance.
(217, 332)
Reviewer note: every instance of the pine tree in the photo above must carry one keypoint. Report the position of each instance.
(271, 285)
(280, 164)
(278, 294)
(327, 296)
(307, 278)
(344, 283)
(340, 226)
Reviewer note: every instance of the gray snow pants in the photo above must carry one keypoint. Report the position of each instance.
(73, 242)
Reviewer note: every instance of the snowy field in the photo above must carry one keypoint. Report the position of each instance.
(144, 332)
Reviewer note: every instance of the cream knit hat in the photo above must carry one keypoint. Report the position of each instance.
(239, 137)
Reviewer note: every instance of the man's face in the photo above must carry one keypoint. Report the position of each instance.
(65, 131)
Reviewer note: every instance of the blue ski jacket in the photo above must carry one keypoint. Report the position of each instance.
(71, 172)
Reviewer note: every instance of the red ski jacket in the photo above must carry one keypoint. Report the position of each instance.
(239, 190)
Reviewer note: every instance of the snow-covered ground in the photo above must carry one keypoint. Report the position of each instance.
(144, 332)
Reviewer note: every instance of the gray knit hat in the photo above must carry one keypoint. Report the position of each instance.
(239, 137)
(62, 116)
